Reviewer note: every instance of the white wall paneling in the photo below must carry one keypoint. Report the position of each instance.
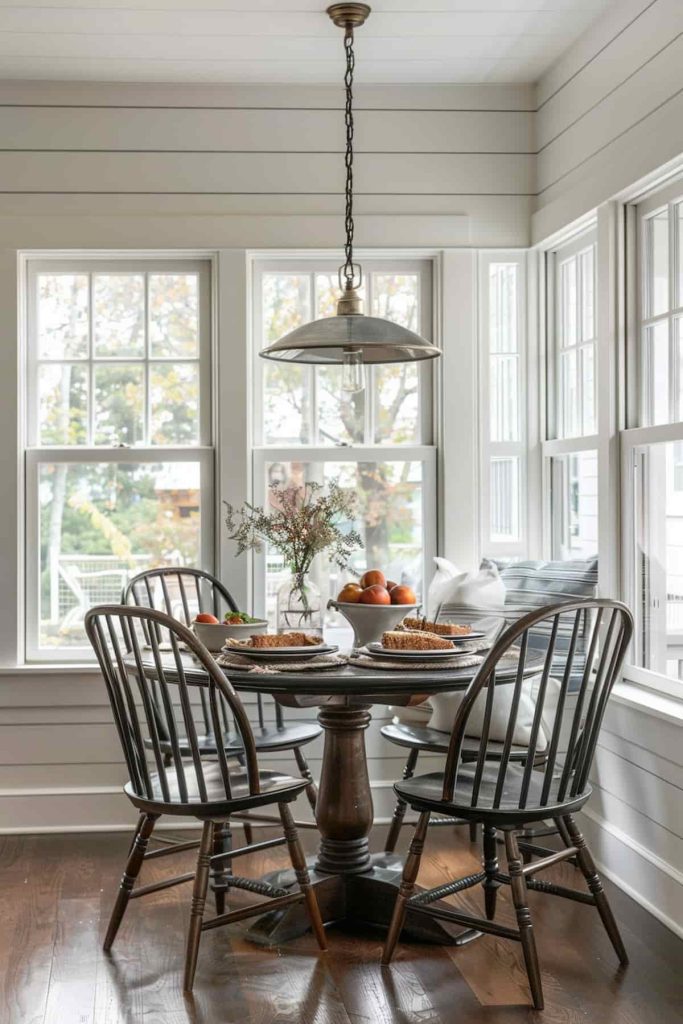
(610, 112)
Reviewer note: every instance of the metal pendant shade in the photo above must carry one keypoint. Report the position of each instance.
(350, 335)
(329, 340)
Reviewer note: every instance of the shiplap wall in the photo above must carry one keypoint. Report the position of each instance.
(432, 150)
(610, 111)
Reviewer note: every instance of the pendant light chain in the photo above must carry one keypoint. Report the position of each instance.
(347, 269)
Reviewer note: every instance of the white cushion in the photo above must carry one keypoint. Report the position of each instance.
(482, 589)
(446, 707)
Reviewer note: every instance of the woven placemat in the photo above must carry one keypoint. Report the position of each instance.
(365, 661)
(321, 661)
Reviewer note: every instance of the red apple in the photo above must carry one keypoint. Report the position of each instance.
(390, 585)
(206, 617)
(375, 594)
(372, 578)
(403, 595)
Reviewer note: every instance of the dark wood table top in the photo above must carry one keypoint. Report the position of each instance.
(376, 686)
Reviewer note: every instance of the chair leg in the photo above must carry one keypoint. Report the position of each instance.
(136, 856)
(526, 931)
(405, 891)
(587, 866)
(400, 808)
(200, 885)
(248, 833)
(222, 843)
(302, 764)
(490, 884)
(298, 859)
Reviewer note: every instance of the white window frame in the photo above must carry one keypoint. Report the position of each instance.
(491, 449)
(424, 452)
(35, 455)
(552, 446)
(635, 436)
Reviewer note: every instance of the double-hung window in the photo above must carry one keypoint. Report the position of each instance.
(570, 449)
(377, 442)
(118, 464)
(652, 447)
(502, 289)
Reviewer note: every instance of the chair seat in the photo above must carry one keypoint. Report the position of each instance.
(424, 793)
(268, 739)
(275, 788)
(421, 737)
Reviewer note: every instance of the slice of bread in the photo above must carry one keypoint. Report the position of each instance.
(294, 639)
(399, 640)
(440, 628)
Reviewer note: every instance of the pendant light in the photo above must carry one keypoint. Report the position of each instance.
(350, 338)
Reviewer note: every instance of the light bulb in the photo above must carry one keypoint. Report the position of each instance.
(353, 371)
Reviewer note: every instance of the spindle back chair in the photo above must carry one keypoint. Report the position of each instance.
(182, 592)
(506, 794)
(151, 689)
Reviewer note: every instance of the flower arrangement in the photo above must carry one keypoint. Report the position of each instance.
(304, 522)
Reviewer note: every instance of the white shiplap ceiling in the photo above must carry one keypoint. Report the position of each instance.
(287, 40)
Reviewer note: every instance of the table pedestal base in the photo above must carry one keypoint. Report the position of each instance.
(355, 902)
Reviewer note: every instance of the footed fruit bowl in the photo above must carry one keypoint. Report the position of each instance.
(369, 621)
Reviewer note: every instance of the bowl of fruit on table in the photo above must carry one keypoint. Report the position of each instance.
(374, 605)
(235, 625)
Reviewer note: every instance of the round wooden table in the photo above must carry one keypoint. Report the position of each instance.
(352, 886)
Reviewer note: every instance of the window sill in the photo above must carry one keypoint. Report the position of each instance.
(659, 705)
(49, 669)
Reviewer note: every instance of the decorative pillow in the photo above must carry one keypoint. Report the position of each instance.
(446, 707)
(452, 590)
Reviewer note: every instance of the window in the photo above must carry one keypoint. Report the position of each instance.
(570, 449)
(118, 469)
(653, 447)
(377, 443)
(503, 404)
(661, 314)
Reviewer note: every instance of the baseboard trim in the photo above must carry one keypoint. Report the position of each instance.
(641, 851)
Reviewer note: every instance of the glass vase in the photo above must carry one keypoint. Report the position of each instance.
(299, 606)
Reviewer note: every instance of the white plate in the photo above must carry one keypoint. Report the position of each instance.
(376, 650)
(290, 653)
(464, 638)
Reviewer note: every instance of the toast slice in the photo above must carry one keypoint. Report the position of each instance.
(398, 640)
(294, 639)
(440, 628)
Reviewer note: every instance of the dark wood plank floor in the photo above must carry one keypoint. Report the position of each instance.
(57, 892)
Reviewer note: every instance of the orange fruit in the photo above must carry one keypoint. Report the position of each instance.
(403, 595)
(350, 593)
(372, 578)
(375, 594)
(206, 617)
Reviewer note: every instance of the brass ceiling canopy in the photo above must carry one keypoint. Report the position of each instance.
(350, 338)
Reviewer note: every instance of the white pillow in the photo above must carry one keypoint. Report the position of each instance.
(446, 707)
(481, 590)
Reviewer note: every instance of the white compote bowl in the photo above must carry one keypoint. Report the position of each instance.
(370, 621)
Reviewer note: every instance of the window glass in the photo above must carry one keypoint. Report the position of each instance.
(99, 524)
(390, 521)
(575, 505)
(505, 499)
(658, 558)
(575, 342)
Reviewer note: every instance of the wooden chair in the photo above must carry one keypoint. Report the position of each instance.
(510, 794)
(184, 592)
(170, 783)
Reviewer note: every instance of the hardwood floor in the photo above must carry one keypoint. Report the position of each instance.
(57, 893)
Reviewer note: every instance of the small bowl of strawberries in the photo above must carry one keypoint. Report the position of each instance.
(373, 605)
